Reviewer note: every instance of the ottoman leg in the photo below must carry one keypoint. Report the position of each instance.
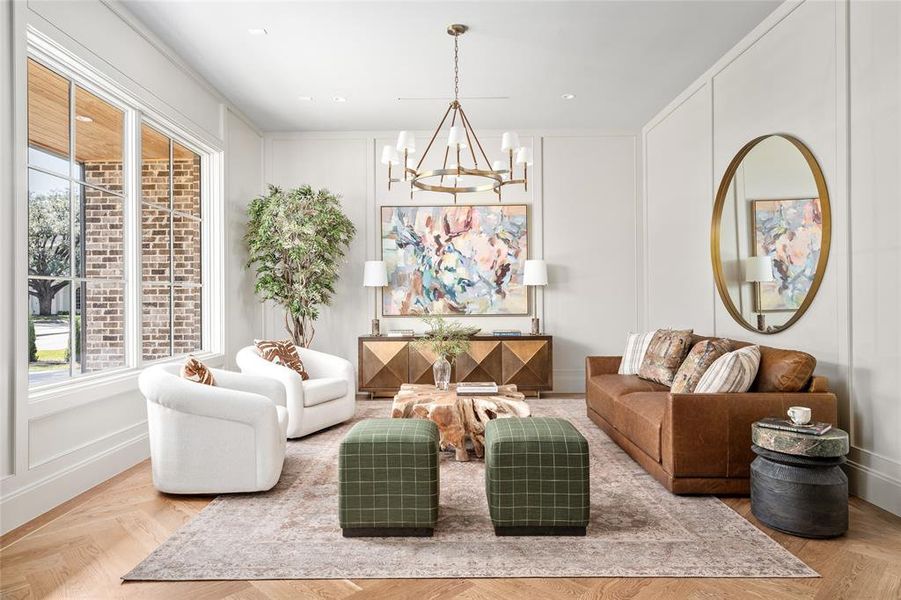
(351, 532)
(539, 530)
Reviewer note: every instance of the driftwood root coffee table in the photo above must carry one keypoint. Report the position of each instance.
(458, 417)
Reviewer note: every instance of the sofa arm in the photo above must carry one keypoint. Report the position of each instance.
(179, 394)
(319, 364)
(709, 435)
(264, 386)
(602, 365)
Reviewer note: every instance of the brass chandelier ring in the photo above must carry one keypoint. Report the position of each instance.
(496, 180)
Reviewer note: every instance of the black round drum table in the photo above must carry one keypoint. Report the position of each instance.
(797, 483)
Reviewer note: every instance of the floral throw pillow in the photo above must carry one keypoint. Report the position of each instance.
(665, 354)
(196, 371)
(696, 364)
(282, 352)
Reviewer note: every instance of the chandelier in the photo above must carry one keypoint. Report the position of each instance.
(463, 146)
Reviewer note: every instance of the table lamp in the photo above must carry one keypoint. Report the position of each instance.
(759, 269)
(375, 275)
(535, 274)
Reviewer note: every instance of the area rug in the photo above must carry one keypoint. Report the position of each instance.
(637, 528)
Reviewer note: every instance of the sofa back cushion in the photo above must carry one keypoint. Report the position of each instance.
(780, 370)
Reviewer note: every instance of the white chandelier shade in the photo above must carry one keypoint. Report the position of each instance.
(390, 156)
(456, 137)
(510, 141)
(524, 156)
(406, 141)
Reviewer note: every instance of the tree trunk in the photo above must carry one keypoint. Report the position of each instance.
(301, 330)
(43, 291)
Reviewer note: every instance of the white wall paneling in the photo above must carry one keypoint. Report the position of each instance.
(582, 217)
(244, 181)
(875, 185)
(57, 448)
(678, 203)
(794, 74)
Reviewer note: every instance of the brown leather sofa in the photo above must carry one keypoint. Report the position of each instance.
(701, 443)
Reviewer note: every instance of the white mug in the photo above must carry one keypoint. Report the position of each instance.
(800, 415)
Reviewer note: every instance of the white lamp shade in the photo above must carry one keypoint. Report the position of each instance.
(535, 273)
(406, 141)
(390, 156)
(759, 268)
(375, 274)
(456, 137)
(510, 141)
(524, 156)
(501, 167)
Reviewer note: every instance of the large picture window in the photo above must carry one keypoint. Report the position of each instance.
(82, 210)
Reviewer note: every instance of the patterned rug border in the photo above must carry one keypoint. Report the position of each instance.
(165, 562)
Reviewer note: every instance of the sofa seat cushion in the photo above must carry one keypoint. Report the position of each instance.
(603, 389)
(639, 416)
(323, 389)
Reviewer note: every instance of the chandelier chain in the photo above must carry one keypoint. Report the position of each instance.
(456, 68)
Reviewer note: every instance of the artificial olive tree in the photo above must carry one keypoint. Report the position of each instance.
(297, 240)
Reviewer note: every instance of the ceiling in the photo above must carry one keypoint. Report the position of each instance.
(623, 60)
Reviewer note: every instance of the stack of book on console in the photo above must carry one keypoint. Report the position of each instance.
(400, 333)
(476, 388)
(786, 425)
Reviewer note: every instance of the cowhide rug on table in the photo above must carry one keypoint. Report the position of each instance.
(637, 528)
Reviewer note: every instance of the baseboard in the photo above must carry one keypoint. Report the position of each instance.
(874, 487)
(33, 500)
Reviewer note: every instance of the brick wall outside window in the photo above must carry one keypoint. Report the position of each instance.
(103, 308)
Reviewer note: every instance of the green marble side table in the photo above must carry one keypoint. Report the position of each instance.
(797, 484)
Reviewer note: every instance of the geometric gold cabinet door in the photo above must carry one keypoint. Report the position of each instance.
(383, 364)
(421, 361)
(481, 363)
(527, 363)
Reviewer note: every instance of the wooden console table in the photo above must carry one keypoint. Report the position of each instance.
(385, 363)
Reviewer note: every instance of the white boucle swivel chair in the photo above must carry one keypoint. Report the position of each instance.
(229, 437)
(327, 398)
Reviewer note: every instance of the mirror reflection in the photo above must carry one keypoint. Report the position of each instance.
(771, 233)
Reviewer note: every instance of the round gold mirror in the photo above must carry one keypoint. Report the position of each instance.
(770, 234)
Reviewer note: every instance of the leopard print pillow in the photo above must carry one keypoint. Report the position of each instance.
(282, 352)
(196, 371)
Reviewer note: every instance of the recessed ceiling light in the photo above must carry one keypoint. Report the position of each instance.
(257, 31)
(84, 118)
(305, 98)
(568, 96)
(339, 99)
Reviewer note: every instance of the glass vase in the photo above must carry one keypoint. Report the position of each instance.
(442, 372)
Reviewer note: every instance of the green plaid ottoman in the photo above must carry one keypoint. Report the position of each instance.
(536, 477)
(388, 478)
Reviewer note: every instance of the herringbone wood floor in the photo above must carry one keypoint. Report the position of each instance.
(80, 550)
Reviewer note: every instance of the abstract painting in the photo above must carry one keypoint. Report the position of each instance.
(455, 260)
(791, 231)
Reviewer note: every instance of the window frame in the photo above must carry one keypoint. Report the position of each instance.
(45, 399)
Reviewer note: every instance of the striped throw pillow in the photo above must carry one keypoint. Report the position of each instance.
(732, 372)
(196, 371)
(636, 347)
(282, 352)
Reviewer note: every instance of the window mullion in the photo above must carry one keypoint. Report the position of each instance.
(72, 247)
(132, 238)
(171, 248)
